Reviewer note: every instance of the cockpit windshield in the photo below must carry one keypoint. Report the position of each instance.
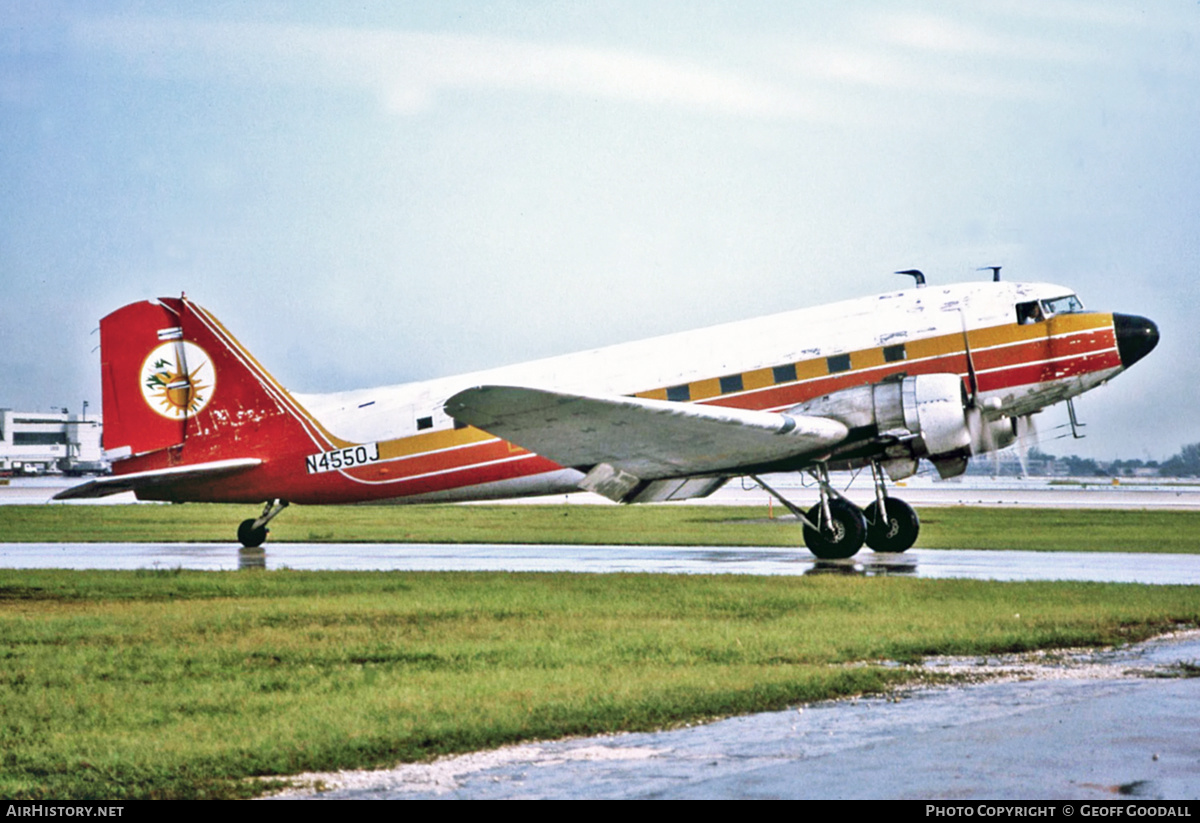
(1036, 311)
(1062, 305)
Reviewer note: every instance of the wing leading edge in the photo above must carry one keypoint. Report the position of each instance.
(636, 450)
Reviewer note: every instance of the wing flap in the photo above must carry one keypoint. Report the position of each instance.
(649, 439)
(117, 483)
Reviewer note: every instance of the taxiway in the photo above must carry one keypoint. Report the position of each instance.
(1110, 567)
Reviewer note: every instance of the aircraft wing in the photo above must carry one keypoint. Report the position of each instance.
(117, 483)
(624, 441)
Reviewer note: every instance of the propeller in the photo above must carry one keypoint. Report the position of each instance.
(972, 377)
(984, 431)
(1026, 430)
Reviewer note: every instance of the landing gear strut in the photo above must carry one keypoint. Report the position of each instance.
(839, 530)
(892, 524)
(835, 528)
(252, 533)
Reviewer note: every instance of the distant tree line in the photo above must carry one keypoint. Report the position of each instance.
(1039, 463)
(1184, 464)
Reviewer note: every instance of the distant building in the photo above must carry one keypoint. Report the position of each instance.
(50, 442)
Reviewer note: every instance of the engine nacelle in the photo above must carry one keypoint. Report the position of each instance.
(927, 413)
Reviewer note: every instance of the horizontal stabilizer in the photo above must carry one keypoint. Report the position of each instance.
(117, 483)
(649, 439)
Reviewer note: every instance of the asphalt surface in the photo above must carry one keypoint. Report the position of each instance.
(1084, 726)
(921, 490)
(1116, 567)
(1114, 725)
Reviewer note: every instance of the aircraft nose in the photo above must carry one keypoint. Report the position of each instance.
(1136, 337)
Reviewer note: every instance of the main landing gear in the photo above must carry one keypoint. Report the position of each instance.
(252, 533)
(835, 528)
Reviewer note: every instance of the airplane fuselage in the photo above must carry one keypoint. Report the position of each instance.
(399, 444)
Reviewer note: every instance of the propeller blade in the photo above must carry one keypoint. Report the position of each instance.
(1026, 436)
(972, 379)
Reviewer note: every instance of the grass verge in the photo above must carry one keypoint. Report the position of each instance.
(188, 684)
(669, 525)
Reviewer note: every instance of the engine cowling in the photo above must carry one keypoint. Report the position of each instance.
(927, 413)
(934, 407)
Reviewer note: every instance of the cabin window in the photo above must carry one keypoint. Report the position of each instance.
(730, 384)
(424, 423)
(679, 394)
(785, 374)
(838, 363)
(894, 354)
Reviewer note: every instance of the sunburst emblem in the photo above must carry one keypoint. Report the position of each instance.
(178, 379)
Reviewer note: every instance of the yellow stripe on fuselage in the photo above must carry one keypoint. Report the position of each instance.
(428, 443)
(432, 442)
(917, 349)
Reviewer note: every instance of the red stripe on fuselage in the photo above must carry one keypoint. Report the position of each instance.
(1089, 351)
(998, 367)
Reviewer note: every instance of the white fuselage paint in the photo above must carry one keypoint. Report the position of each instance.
(390, 412)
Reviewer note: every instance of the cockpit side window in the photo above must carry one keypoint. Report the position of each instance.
(1030, 312)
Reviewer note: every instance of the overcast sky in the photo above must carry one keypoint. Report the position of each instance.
(373, 193)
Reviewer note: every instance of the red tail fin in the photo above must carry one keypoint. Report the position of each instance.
(137, 366)
(172, 376)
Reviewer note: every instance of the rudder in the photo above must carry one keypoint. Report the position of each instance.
(174, 378)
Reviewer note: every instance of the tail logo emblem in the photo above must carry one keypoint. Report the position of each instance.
(178, 379)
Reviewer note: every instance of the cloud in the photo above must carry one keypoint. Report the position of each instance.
(945, 36)
(1003, 58)
(884, 70)
(409, 71)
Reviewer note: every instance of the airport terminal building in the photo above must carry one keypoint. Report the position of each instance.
(50, 442)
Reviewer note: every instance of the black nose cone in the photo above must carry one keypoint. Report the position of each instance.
(1136, 337)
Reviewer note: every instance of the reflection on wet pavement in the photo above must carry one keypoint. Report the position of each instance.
(927, 563)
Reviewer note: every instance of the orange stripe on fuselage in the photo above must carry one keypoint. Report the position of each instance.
(433, 460)
(1004, 357)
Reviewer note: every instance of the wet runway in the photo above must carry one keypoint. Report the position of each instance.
(1102, 726)
(921, 490)
(1096, 726)
(926, 563)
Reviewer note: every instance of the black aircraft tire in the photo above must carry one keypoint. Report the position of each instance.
(895, 533)
(843, 537)
(249, 536)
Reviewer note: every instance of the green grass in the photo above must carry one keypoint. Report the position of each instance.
(673, 525)
(187, 684)
(1083, 530)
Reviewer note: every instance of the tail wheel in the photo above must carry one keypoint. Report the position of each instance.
(249, 536)
(840, 536)
(893, 531)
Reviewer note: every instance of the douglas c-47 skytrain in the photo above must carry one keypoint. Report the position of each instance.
(941, 373)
